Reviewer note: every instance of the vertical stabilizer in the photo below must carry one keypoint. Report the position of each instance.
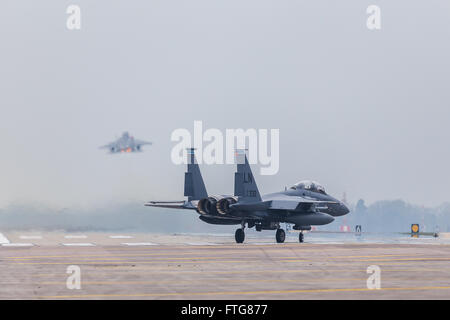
(194, 187)
(244, 183)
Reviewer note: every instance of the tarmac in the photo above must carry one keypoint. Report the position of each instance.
(34, 265)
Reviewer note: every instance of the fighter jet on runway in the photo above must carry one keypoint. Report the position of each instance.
(303, 205)
(125, 143)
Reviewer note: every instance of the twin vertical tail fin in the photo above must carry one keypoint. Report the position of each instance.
(244, 183)
(194, 187)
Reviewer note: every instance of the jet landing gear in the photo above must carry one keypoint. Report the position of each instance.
(301, 229)
(239, 235)
(280, 235)
(300, 237)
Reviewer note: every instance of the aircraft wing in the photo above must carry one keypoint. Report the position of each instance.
(108, 146)
(141, 142)
(172, 204)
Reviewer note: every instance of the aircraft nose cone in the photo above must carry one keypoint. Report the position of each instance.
(340, 210)
(345, 210)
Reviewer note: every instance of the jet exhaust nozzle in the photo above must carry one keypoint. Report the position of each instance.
(223, 205)
(208, 205)
(201, 206)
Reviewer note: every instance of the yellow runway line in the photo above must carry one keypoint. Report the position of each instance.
(409, 259)
(133, 254)
(246, 280)
(372, 260)
(234, 280)
(199, 261)
(161, 259)
(177, 271)
(127, 262)
(375, 256)
(130, 266)
(202, 259)
(171, 294)
(245, 250)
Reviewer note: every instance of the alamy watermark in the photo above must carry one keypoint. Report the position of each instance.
(374, 20)
(73, 21)
(74, 280)
(212, 146)
(374, 280)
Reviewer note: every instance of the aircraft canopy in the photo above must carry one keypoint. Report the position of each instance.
(309, 185)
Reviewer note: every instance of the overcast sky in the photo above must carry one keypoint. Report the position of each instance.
(362, 112)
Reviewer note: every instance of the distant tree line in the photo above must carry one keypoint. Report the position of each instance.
(381, 216)
(397, 216)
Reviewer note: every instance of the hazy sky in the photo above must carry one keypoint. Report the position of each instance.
(365, 112)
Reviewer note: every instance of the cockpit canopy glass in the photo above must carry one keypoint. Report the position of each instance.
(309, 185)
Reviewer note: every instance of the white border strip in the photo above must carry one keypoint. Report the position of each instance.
(121, 237)
(17, 244)
(30, 237)
(76, 237)
(139, 244)
(201, 244)
(78, 244)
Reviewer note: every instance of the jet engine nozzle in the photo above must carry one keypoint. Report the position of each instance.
(208, 205)
(223, 205)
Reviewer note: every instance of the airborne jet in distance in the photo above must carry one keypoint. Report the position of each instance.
(125, 144)
(305, 204)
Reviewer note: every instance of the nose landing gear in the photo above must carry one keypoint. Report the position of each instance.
(300, 237)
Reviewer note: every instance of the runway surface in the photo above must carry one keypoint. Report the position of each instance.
(34, 265)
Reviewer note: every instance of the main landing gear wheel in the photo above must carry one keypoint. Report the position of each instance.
(239, 235)
(280, 235)
(300, 237)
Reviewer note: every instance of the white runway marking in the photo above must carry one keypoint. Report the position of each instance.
(75, 237)
(78, 244)
(3, 239)
(139, 244)
(30, 237)
(120, 237)
(17, 244)
(201, 244)
(262, 243)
